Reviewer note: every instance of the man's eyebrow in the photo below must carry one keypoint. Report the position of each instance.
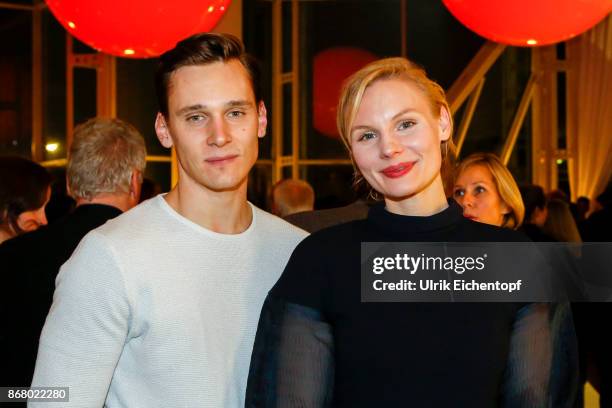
(191, 108)
(230, 104)
(239, 104)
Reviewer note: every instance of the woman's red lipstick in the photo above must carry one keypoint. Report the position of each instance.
(398, 170)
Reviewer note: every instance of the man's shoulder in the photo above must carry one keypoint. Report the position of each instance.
(277, 225)
(144, 220)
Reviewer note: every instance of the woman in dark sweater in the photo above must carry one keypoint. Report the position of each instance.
(319, 345)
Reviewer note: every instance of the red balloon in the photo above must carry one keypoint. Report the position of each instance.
(331, 68)
(529, 22)
(136, 28)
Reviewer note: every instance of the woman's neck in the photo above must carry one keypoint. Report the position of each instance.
(429, 201)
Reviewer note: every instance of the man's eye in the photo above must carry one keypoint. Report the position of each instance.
(195, 118)
(367, 136)
(406, 124)
(459, 193)
(236, 114)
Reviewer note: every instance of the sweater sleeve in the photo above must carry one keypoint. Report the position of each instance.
(542, 369)
(292, 364)
(86, 327)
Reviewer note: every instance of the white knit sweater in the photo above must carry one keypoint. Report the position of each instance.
(153, 310)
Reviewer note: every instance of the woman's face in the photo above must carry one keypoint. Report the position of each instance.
(395, 139)
(476, 192)
(33, 219)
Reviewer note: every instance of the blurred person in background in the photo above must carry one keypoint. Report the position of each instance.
(536, 212)
(150, 188)
(560, 224)
(598, 227)
(25, 190)
(104, 172)
(487, 192)
(292, 196)
(580, 209)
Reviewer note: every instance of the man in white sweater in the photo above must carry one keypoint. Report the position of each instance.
(159, 307)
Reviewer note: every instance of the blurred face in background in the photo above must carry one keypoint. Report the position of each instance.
(33, 219)
(476, 191)
(26, 221)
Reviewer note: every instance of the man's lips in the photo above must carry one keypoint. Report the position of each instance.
(398, 170)
(218, 160)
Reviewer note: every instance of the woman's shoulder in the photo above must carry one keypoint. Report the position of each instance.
(336, 236)
(478, 231)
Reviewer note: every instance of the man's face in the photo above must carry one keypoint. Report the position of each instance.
(213, 122)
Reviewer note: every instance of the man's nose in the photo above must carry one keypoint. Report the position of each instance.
(220, 134)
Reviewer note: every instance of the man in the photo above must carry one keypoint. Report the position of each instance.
(104, 172)
(536, 212)
(290, 196)
(159, 307)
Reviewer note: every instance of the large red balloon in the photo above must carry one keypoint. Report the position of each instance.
(331, 68)
(136, 28)
(529, 22)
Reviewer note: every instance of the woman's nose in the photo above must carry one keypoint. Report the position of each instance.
(390, 146)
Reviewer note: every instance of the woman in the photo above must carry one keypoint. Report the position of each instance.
(25, 190)
(319, 345)
(487, 191)
(560, 223)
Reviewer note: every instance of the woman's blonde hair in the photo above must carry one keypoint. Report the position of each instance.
(560, 223)
(396, 68)
(504, 182)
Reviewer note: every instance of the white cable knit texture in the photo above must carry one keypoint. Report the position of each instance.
(153, 310)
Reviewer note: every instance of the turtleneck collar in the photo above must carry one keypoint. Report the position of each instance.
(403, 225)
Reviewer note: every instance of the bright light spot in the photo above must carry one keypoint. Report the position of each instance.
(222, 8)
(51, 147)
(71, 25)
(211, 9)
(559, 161)
(129, 51)
(531, 42)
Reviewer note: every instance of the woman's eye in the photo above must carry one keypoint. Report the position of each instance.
(367, 136)
(480, 189)
(406, 124)
(459, 193)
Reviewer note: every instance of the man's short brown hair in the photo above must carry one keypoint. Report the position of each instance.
(202, 49)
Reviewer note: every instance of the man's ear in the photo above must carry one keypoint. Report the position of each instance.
(445, 124)
(135, 186)
(162, 131)
(68, 192)
(262, 118)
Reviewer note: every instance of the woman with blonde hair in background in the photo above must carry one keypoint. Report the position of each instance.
(560, 223)
(319, 345)
(486, 190)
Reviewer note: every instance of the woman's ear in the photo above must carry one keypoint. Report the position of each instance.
(445, 124)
